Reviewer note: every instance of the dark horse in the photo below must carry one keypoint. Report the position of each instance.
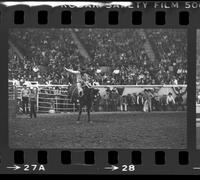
(86, 99)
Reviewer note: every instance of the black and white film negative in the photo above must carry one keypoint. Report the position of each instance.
(100, 87)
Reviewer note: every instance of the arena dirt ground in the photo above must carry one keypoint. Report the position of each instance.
(108, 130)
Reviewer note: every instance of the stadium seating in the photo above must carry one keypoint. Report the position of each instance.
(41, 54)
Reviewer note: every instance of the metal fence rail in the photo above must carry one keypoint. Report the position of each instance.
(55, 98)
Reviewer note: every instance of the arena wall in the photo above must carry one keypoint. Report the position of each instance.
(161, 90)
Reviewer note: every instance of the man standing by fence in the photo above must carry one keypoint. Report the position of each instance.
(140, 102)
(33, 101)
(170, 101)
(25, 97)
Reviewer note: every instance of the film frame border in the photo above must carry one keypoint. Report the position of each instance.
(148, 156)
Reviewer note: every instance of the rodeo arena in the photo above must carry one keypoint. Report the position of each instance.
(97, 88)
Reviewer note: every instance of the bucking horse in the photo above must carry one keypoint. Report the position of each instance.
(87, 99)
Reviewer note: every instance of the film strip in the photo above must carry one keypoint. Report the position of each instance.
(139, 58)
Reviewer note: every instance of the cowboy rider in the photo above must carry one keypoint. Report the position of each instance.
(82, 79)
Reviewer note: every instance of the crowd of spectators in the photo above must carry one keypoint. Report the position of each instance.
(171, 51)
(40, 55)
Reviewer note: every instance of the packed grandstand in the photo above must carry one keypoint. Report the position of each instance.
(111, 56)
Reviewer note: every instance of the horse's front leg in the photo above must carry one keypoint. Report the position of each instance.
(88, 112)
(79, 115)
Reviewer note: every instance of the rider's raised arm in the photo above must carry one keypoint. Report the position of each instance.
(72, 71)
